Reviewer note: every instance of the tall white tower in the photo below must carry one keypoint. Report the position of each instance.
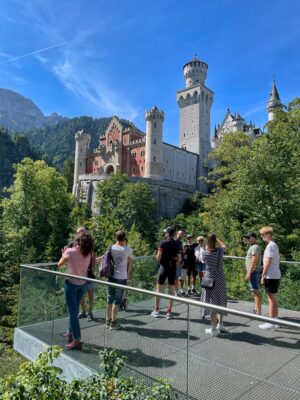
(154, 143)
(273, 103)
(82, 145)
(195, 102)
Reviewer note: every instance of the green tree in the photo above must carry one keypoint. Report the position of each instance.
(68, 172)
(258, 183)
(108, 193)
(136, 206)
(34, 226)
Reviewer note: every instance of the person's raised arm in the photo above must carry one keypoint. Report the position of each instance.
(221, 244)
(62, 261)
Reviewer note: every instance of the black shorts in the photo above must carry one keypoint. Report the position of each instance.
(191, 270)
(271, 285)
(166, 272)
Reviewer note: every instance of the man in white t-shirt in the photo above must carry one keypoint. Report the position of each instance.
(271, 275)
(122, 257)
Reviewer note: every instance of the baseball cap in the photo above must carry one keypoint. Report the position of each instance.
(189, 236)
(248, 235)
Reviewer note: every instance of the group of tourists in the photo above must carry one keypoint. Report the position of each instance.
(180, 263)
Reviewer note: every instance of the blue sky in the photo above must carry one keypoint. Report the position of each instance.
(104, 58)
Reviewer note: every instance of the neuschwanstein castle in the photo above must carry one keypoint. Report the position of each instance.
(173, 173)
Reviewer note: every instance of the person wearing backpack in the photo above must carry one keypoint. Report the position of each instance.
(121, 255)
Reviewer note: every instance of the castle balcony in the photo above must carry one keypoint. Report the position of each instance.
(244, 363)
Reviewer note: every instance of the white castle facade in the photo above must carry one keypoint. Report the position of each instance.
(174, 173)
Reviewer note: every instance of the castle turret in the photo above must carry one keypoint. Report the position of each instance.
(238, 123)
(82, 145)
(273, 103)
(195, 72)
(154, 144)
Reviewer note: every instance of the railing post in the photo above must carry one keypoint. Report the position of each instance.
(187, 351)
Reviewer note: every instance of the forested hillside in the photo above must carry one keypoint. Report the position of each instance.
(57, 143)
(12, 150)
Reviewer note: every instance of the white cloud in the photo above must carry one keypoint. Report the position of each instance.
(105, 99)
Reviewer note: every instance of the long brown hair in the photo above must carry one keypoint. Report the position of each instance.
(85, 243)
(212, 241)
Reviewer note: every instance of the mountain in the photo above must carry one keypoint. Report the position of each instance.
(17, 113)
(12, 150)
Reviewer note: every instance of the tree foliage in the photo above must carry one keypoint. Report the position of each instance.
(34, 225)
(41, 380)
(258, 184)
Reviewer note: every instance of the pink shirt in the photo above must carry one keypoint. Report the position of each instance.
(77, 264)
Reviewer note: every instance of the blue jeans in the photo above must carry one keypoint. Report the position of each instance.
(73, 295)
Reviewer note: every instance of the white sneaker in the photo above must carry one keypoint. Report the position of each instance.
(212, 331)
(221, 328)
(169, 315)
(267, 327)
(155, 314)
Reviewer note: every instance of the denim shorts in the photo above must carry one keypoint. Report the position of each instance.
(115, 295)
(91, 285)
(201, 267)
(254, 280)
(178, 271)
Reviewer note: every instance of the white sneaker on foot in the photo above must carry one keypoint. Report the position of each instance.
(267, 327)
(169, 315)
(221, 328)
(212, 331)
(155, 314)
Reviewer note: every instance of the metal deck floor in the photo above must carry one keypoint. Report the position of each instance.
(245, 363)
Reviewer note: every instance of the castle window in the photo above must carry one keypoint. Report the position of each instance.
(154, 158)
(167, 161)
(177, 173)
(154, 141)
(80, 164)
(142, 168)
(154, 124)
(184, 135)
(164, 169)
(133, 155)
(133, 169)
(80, 150)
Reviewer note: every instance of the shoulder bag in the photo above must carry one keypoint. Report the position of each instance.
(209, 283)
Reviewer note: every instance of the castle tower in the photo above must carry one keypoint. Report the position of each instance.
(238, 123)
(273, 103)
(82, 145)
(154, 143)
(195, 102)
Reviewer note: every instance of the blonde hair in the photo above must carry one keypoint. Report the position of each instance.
(200, 238)
(266, 229)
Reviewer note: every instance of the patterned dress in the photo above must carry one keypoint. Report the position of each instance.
(214, 269)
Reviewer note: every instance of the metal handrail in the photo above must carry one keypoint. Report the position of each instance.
(169, 297)
(281, 261)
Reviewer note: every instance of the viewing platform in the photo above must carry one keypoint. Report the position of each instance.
(245, 363)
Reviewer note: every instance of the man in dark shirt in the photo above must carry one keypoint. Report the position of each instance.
(191, 264)
(179, 262)
(167, 255)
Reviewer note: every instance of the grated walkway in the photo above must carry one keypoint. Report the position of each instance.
(245, 363)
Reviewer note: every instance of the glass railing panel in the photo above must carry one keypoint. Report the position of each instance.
(36, 297)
